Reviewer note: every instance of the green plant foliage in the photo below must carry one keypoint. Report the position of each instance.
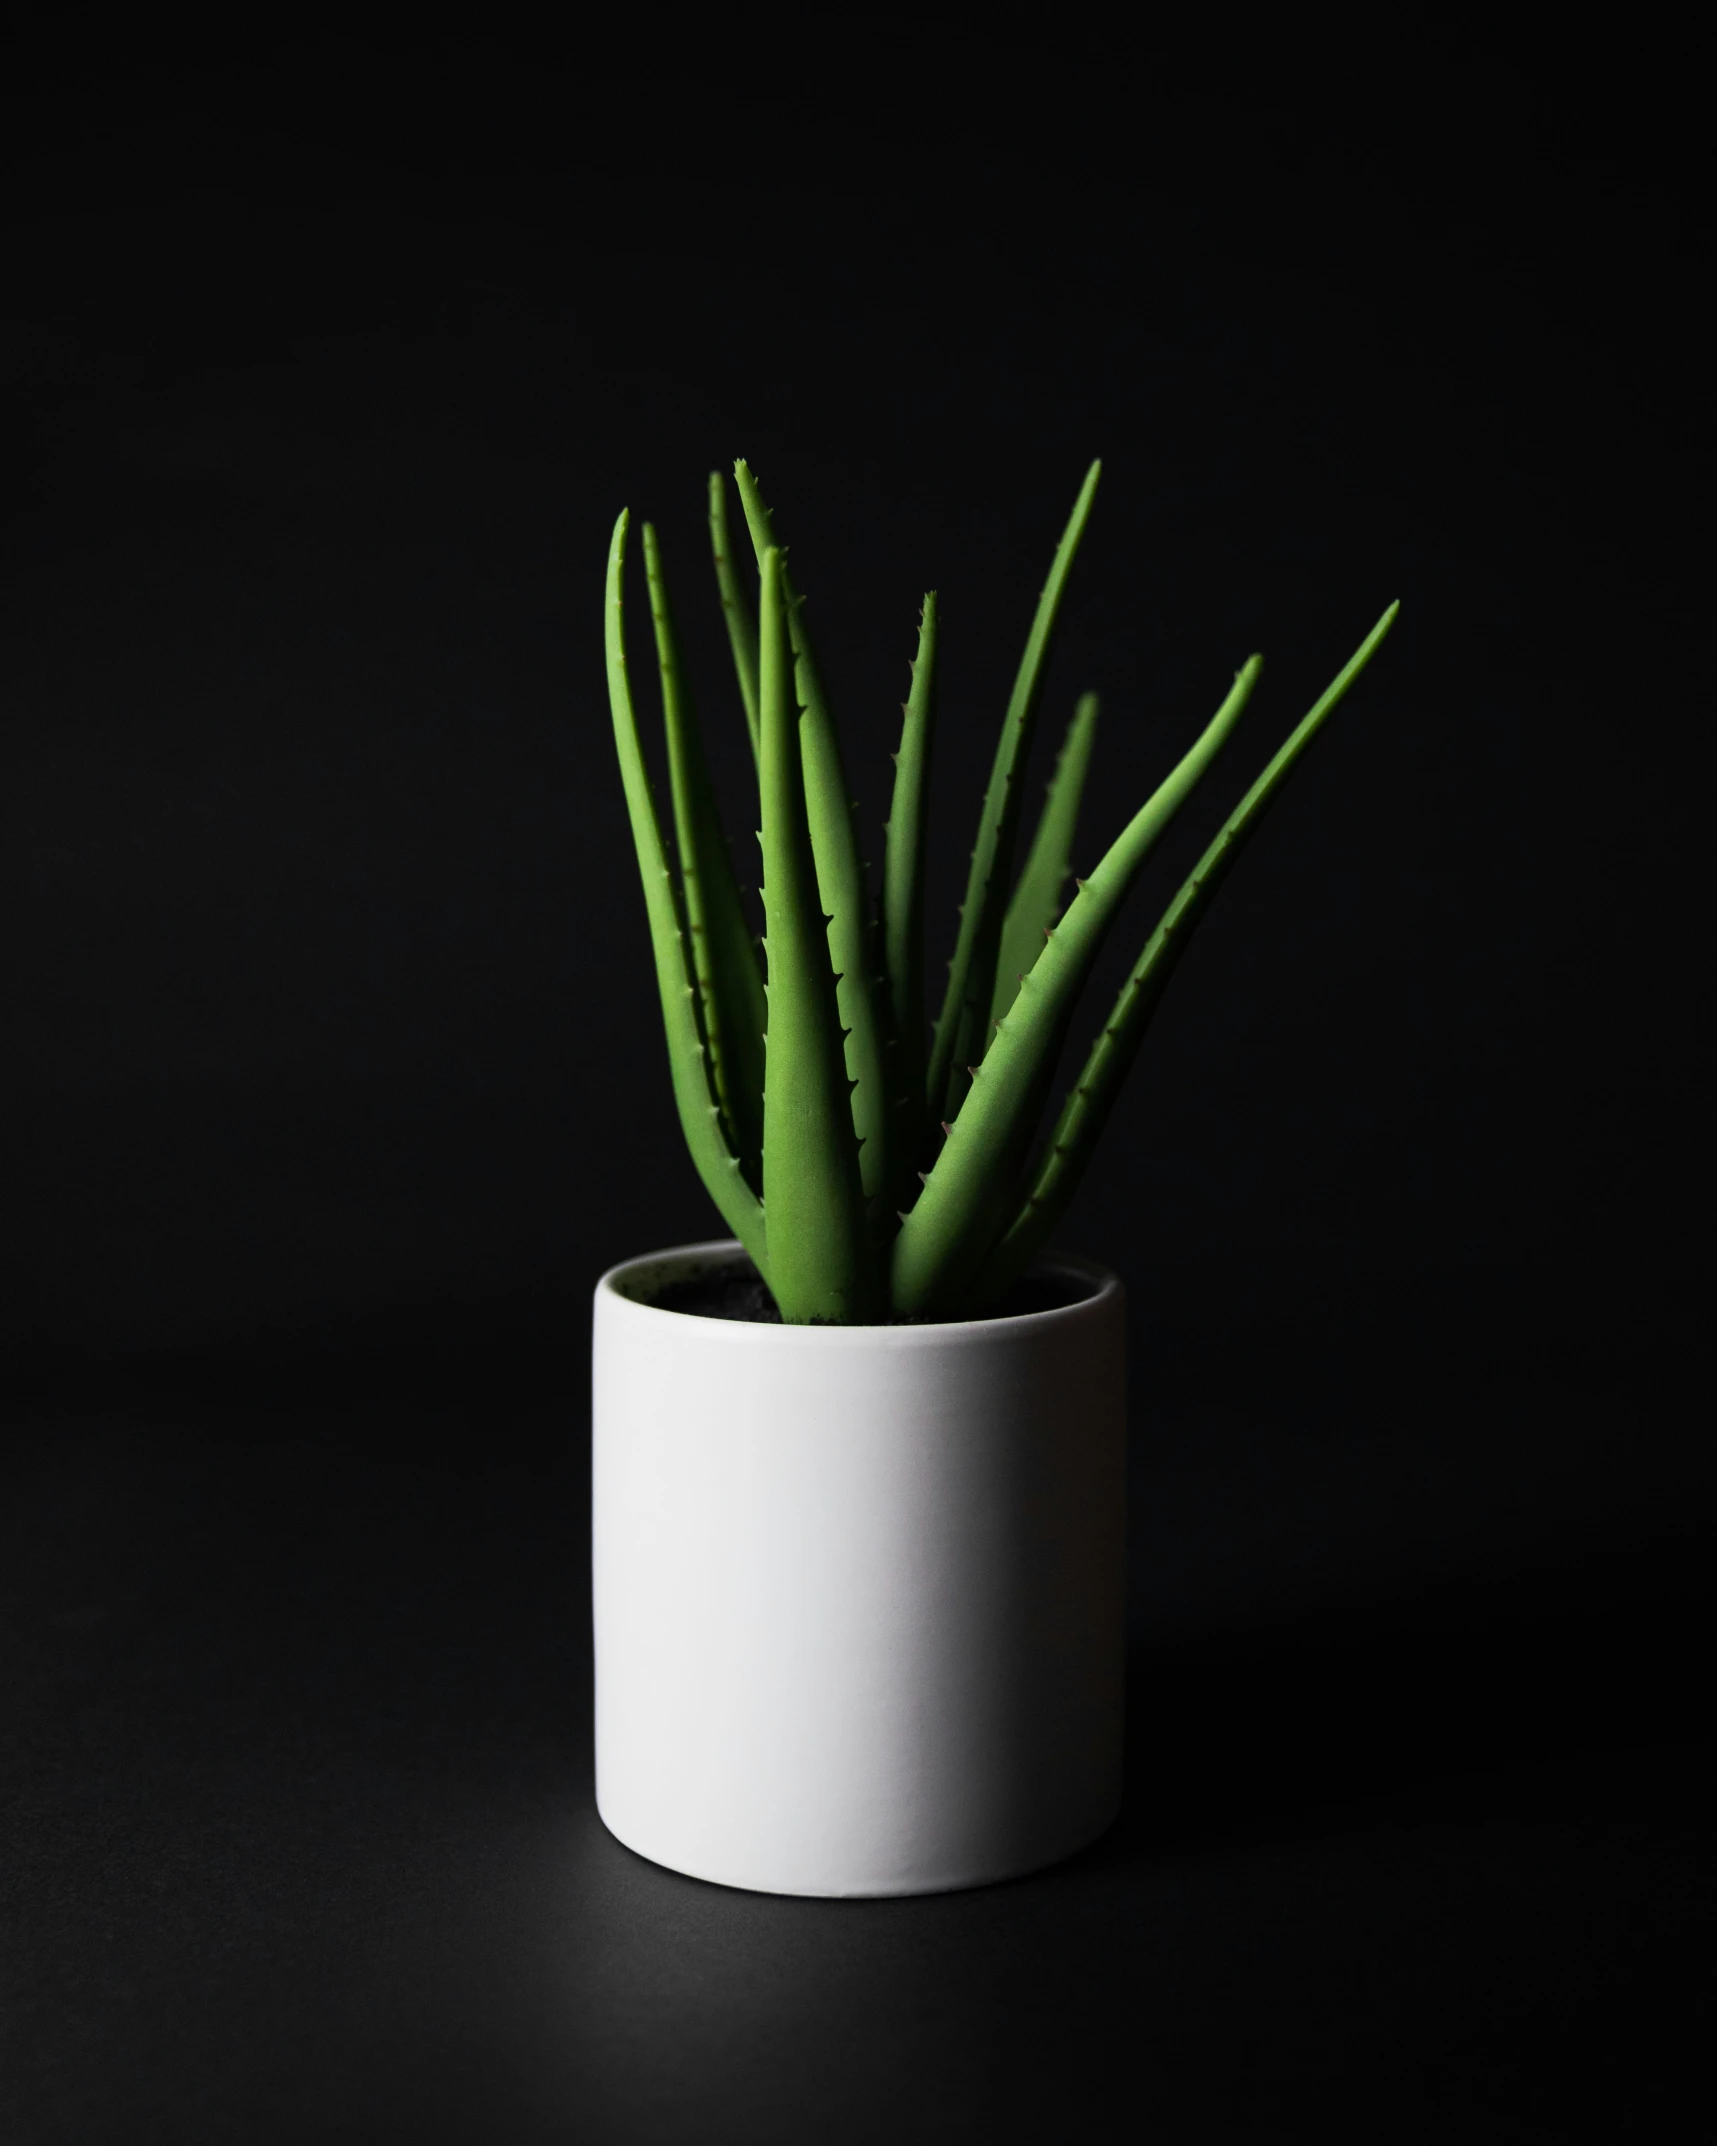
(725, 966)
(903, 908)
(963, 1030)
(873, 1169)
(741, 626)
(688, 1056)
(820, 1264)
(1043, 877)
(840, 877)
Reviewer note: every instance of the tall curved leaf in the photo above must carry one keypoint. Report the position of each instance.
(1043, 877)
(819, 1250)
(840, 872)
(962, 1032)
(1088, 1105)
(700, 1114)
(973, 1185)
(724, 954)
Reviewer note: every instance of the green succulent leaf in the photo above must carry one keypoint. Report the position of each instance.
(903, 901)
(840, 876)
(970, 1192)
(700, 1113)
(1049, 863)
(735, 607)
(1087, 1109)
(820, 1264)
(963, 1029)
(724, 954)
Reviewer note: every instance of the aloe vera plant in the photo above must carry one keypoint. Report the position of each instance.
(872, 1165)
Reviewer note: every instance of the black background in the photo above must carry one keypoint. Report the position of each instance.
(333, 1073)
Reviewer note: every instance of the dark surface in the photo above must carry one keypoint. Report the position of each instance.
(332, 1074)
(298, 1835)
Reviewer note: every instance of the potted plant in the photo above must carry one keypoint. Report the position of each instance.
(858, 1471)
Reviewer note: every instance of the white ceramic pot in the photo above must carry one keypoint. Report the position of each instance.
(858, 1590)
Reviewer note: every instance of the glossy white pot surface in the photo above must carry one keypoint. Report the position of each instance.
(858, 1590)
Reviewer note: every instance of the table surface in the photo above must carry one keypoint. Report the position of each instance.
(299, 1844)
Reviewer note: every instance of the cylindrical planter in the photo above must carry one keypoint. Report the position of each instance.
(858, 1590)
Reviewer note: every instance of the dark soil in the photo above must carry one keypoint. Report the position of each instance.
(741, 1293)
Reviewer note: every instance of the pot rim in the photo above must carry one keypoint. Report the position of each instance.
(1102, 1289)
